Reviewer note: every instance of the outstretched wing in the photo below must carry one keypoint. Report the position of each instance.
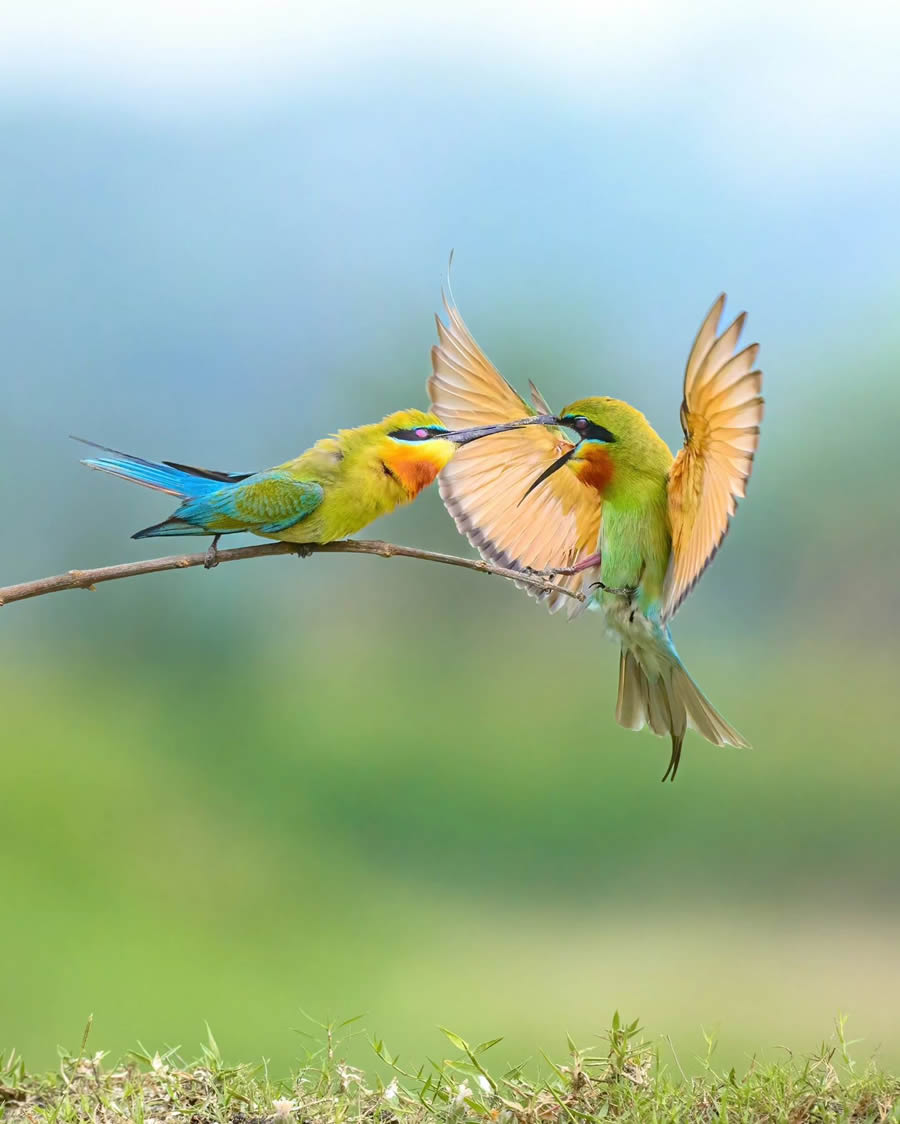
(720, 416)
(557, 524)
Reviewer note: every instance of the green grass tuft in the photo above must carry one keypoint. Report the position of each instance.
(623, 1077)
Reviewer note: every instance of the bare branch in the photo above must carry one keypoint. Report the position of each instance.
(88, 579)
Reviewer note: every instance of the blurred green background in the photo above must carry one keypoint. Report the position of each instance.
(353, 786)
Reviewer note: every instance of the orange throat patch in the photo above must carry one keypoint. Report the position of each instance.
(594, 468)
(414, 469)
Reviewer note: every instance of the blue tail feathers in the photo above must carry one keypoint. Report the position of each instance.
(173, 526)
(177, 480)
(193, 486)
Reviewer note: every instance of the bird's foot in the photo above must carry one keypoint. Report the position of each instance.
(627, 591)
(212, 555)
(302, 549)
(531, 572)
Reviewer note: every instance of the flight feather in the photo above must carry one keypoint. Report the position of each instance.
(720, 414)
(482, 487)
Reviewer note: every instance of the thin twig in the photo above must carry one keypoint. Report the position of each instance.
(87, 579)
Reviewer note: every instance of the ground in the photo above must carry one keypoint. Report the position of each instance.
(625, 1078)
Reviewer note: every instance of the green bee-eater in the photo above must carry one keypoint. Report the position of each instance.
(332, 490)
(613, 511)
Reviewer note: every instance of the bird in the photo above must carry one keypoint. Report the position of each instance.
(593, 495)
(332, 490)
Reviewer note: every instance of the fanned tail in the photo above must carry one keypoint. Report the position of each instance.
(659, 693)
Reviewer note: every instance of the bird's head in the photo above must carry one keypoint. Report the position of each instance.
(612, 440)
(413, 446)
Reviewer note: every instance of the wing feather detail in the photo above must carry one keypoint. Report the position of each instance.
(482, 487)
(720, 415)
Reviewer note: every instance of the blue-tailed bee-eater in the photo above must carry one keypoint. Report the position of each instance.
(610, 510)
(334, 489)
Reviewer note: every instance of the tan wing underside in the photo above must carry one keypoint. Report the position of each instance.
(720, 416)
(482, 487)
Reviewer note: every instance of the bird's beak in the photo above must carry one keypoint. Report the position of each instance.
(555, 467)
(464, 436)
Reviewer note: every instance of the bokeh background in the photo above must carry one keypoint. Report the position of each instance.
(350, 786)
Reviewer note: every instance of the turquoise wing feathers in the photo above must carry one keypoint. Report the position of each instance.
(267, 503)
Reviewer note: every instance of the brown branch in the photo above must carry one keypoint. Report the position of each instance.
(87, 579)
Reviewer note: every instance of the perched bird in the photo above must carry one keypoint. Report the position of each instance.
(610, 510)
(335, 488)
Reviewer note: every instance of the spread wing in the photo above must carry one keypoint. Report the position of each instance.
(482, 487)
(720, 416)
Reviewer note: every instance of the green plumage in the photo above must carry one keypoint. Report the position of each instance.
(334, 489)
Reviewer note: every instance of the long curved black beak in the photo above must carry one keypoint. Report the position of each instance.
(464, 436)
(555, 467)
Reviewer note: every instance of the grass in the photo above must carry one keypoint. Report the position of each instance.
(623, 1077)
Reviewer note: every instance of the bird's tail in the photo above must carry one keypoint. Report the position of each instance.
(656, 690)
(180, 480)
(176, 480)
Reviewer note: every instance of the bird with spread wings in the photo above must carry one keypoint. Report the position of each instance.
(595, 495)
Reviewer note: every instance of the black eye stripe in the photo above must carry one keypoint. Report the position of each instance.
(420, 433)
(587, 429)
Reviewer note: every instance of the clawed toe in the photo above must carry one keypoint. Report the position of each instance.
(531, 572)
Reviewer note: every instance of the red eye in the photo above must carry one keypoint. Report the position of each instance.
(422, 434)
(580, 424)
